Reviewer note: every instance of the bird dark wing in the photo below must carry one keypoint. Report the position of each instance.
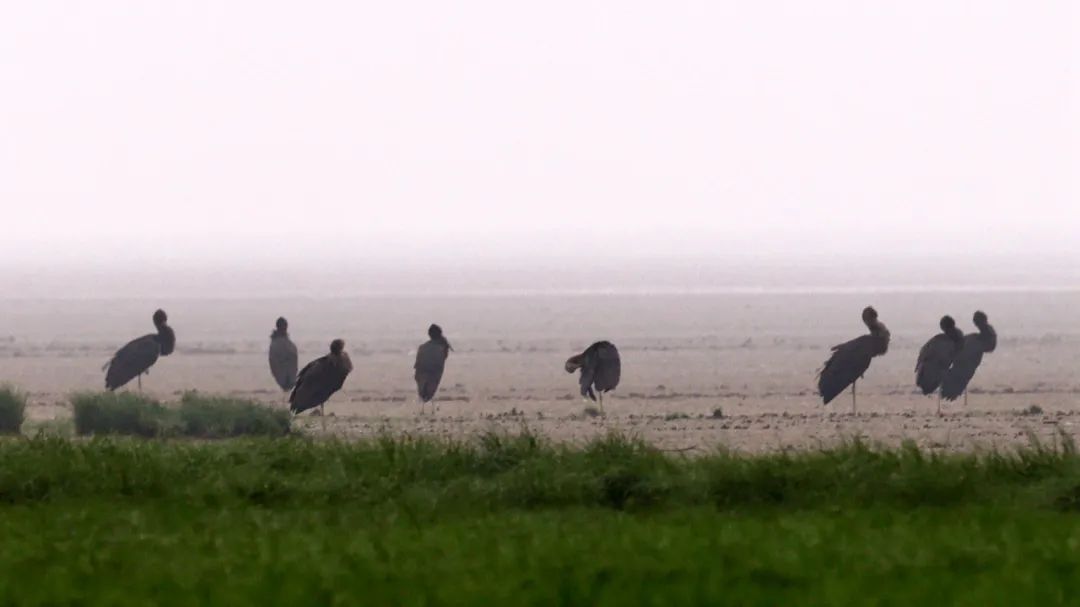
(849, 361)
(934, 360)
(283, 361)
(608, 367)
(316, 383)
(963, 368)
(135, 358)
(430, 363)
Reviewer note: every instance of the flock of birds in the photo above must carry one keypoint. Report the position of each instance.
(312, 386)
(946, 363)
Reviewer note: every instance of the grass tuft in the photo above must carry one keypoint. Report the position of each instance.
(198, 416)
(122, 413)
(220, 417)
(12, 409)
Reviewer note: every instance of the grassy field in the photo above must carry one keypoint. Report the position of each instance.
(514, 520)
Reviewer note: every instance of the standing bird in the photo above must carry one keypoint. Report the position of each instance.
(968, 358)
(600, 369)
(936, 356)
(851, 359)
(430, 361)
(283, 358)
(138, 355)
(319, 380)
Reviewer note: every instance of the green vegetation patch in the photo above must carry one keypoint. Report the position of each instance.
(12, 409)
(222, 417)
(515, 519)
(197, 416)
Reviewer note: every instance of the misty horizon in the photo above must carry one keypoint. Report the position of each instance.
(245, 134)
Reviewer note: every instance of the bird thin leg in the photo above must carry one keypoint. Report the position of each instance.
(322, 414)
(965, 398)
(853, 396)
(939, 404)
(601, 395)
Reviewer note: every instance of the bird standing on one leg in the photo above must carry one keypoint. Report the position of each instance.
(968, 359)
(850, 360)
(601, 369)
(320, 379)
(936, 356)
(138, 355)
(430, 362)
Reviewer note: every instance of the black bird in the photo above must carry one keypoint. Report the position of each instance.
(967, 360)
(430, 361)
(851, 359)
(138, 355)
(600, 369)
(283, 357)
(936, 356)
(319, 380)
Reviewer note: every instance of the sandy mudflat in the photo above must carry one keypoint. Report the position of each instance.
(750, 357)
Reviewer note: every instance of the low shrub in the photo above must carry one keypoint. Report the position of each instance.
(222, 417)
(103, 413)
(12, 409)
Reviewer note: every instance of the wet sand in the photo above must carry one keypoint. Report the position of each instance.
(700, 371)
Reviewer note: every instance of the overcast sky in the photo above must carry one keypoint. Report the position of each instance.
(253, 129)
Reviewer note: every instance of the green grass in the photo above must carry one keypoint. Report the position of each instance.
(197, 416)
(12, 409)
(221, 417)
(516, 520)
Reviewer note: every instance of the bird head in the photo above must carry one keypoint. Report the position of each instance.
(980, 319)
(869, 314)
(282, 324)
(575, 362)
(947, 323)
(337, 346)
(160, 318)
(434, 332)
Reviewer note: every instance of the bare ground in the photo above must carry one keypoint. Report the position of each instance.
(700, 371)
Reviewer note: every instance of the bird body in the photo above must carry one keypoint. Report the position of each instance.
(851, 359)
(138, 355)
(601, 369)
(320, 379)
(430, 363)
(967, 360)
(936, 356)
(283, 356)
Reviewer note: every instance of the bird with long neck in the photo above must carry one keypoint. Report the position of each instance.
(320, 379)
(430, 365)
(138, 355)
(936, 356)
(850, 360)
(283, 356)
(968, 359)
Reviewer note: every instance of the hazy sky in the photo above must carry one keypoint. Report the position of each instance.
(196, 129)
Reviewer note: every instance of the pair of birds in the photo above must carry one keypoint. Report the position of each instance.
(947, 361)
(322, 377)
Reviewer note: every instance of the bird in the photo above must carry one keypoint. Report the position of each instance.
(969, 357)
(319, 379)
(850, 360)
(936, 356)
(600, 367)
(138, 355)
(430, 361)
(283, 357)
